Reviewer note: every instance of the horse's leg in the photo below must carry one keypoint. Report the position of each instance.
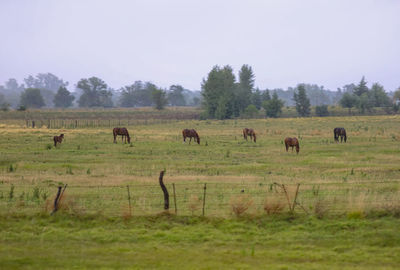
(184, 139)
(287, 147)
(190, 140)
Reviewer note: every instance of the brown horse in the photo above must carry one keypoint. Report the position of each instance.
(123, 132)
(58, 139)
(292, 142)
(339, 132)
(190, 133)
(249, 132)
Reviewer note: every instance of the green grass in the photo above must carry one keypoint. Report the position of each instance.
(167, 242)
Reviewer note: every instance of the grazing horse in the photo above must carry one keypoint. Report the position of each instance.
(339, 132)
(58, 139)
(190, 133)
(292, 142)
(249, 132)
(123, 132)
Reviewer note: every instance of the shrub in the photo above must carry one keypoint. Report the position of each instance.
(274, 205)
(240, 204)
(322, 110)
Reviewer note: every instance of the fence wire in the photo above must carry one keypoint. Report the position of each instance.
(212, 199)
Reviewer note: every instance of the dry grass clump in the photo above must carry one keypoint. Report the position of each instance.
(240, 204)
(194, 203)
(320, 208)
(274, 205)
(66, 204)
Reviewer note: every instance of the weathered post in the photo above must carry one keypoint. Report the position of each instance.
(129, 200)
(173, 187)
(58, 198)
(204, 198)
(295, 197)
(165, 191)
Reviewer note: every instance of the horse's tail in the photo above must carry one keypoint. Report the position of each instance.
(244, 133)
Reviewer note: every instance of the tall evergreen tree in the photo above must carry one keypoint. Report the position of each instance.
(244, 88)
(63, 98)
(302, 102)
(218, 92)
(361, 88)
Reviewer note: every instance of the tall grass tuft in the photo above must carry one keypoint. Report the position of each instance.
(274, 205)
(240, 204)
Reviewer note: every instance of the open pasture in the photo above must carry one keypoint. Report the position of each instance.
(363, 171)
(346, 217)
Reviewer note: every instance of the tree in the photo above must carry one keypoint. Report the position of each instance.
(256, 98)
(218, 92)
(244, 88)
(32, 98)
(95, 93)
(159, 98)
(379, 96)
(302, 102)
(273, 107)
(361, 88)
(250, 112)
(175, 96)
(396, 96)
(265, 96)
(348, 101)
(322, 110)
(63, 98)
(47, 81)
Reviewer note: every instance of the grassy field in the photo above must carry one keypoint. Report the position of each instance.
(348, 197)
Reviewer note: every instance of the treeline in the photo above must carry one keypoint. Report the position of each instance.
(47, 90)
(224, 96)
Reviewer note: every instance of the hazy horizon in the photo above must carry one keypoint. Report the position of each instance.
(329, 43)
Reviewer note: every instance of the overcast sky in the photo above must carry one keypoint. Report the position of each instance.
(328, 43)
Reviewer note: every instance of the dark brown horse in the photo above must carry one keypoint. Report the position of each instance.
(58, 139)
(339, 132)
(249, 132)
(190, 133)
(292, 142)
(122, 132)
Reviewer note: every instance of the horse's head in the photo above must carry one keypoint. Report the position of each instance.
(129, 138)
(62, 136)
(198, 139)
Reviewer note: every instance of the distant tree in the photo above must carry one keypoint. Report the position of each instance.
(273, 107)
(47, 81)
(63, 98)
(348, 101)
(95, 93)
(196, 101)
(32, 98)
(379, 96)
(396, 96)
(302, 102)
(265, 96)
(218, 92)
(175, 96)
(138, 94)
(256, 98)
(159, 98)
(250, 112)
(361, 88)
(244, 89)
(321, 110)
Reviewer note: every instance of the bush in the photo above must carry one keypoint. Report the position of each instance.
(322, 110)
(250, 112)
(240, 204)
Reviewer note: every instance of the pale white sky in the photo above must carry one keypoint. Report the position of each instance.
(327, 42)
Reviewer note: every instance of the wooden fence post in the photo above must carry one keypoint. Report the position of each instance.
(58, 198)
(204, 198)
(165, 191)
(176, 209)
(129, 200)
(295, 197)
